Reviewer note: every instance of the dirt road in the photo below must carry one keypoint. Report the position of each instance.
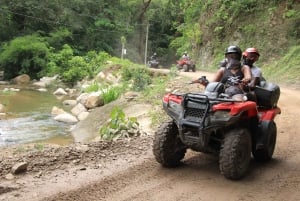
(141, 178)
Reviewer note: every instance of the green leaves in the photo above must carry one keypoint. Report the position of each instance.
(74, 68)
(111, 94)
(137, 75)
(119, 126)
(28, 54)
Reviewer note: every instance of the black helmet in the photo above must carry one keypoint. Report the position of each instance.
(234, 49)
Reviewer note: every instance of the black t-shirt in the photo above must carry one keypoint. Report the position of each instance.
(230, 78)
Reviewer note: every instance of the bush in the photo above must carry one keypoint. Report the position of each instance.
(139, 76)
(24, 55)
(78, 69)
(75, 68)
(96, 62)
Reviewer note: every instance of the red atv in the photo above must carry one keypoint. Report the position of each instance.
(212, 122)
(186, 65)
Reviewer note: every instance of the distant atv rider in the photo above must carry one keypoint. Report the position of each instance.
(185, 56)
(153, 57)
(153, 62)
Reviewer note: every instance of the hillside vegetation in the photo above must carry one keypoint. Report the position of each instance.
(271, 26)
(44, 38)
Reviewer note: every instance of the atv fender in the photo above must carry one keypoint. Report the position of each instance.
(264, 134)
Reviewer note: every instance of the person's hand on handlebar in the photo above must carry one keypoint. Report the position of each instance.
(245, 81)
(202, 80)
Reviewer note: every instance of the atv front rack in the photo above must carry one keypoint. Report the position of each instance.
(193, 120)
(196, 107)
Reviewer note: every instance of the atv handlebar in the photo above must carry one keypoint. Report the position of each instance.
(202, 80)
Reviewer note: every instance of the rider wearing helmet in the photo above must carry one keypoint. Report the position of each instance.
(250, 56)
(233, 73)
(185, 55)
(231, 52)
(154, 56)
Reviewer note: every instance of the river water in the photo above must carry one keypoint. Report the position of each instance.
(28, 118)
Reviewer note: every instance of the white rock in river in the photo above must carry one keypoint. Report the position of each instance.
(66, 117)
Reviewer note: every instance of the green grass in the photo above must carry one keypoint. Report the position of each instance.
(93, 87)
(286, 69)
(111, 94)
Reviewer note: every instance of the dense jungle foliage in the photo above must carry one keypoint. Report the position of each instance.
(75, 38)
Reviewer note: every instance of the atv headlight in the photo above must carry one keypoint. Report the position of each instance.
(220, 115)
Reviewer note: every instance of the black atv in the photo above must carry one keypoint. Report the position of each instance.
(153, 63)
(213, 122)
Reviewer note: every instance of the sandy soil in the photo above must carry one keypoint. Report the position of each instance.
(126, 170)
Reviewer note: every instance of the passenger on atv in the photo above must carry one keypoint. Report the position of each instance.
(250, 56)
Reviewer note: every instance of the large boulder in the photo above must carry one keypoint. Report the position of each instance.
(21, 79)
(82, 98)
(45, 81)
(79, 108)
(94, 101)
(83, 115)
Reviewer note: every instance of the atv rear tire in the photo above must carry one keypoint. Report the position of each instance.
(235, 153)
(167, 146)
(265, 153)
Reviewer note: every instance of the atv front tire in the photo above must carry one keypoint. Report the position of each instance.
(185, 68)
(167, 146)
(235, 153)
(265, 152)
(194, 68)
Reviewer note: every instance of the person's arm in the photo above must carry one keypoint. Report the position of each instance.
(256, 76)
(247, 74)
(219, 75)
(254, 81)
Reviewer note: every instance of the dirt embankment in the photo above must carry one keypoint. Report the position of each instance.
(126, 169)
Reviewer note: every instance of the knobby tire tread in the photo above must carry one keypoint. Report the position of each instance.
(167, 147)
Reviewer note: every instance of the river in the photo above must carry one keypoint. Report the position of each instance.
(28, 118)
